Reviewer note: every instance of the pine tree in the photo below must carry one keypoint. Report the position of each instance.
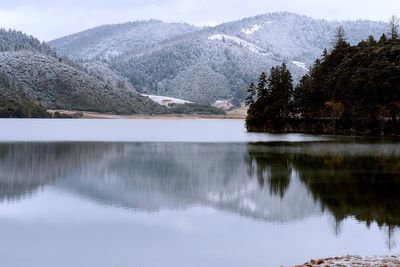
(252, 91)
(383, 39)
(280, 86)
(262, 86)
(325, 54)
(371, 40)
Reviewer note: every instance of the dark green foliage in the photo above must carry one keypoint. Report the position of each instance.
(262, 85)
(197, 109)
(353, 90)
(273, 99)
(15, 104)
(252, 91)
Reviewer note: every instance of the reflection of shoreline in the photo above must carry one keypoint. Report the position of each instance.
(274, 183)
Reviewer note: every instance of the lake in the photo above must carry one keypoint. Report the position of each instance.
(171, 193)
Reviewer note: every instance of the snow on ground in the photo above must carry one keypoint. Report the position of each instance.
(223, 104)
(355, 261)
(300, 64)
(235, 40)
(167, 101)
(251, 30)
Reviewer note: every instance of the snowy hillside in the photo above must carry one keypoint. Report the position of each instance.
(209, 64)
(110, 41)
(59, 84)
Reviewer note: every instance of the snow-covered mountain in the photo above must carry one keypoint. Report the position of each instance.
(57, 83)
(110, 41)
(209, 64)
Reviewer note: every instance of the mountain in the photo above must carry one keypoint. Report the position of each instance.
(57, 83)
(205, 65)
(109, 41)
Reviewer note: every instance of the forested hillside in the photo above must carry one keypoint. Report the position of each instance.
(209, 64)
(352, 90)
(15, 104)
(57, 83)
(109, 41)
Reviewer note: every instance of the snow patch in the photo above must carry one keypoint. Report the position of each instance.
(223, 104)
(240, 42)
(300, 64)
(353, 261)
(167, 101)
(251, 30)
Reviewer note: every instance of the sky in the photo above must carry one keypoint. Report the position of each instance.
(50, 19)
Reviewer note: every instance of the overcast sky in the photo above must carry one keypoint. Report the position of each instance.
(49, 19)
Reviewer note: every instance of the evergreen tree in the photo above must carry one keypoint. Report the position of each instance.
(325, 54)
(273, 104)
(262, 86)
(352, 90)
(280, 86)
(252, 91)
(371, 39)
(383, 39)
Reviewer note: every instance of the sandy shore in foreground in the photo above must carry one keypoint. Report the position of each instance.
(238, 114)
(355, 261)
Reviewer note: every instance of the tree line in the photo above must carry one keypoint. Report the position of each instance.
(351, 90)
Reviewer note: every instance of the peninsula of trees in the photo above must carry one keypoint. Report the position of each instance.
(352, 90)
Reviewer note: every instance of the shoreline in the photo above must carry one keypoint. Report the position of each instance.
(355, 261)
(230, 115)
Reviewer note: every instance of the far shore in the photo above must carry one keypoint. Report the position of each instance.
(237, 114)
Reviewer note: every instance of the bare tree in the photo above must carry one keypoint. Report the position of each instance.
(340, 37)
(394, 24)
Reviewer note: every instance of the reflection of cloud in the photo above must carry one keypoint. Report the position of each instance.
(54, 206)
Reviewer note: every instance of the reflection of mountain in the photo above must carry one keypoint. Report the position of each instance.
(158, 176)
(25, 167)
(271, 182)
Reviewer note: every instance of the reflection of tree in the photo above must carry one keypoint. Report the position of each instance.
(271, 168)
(365, 186)
(362, 186)
(279, 179)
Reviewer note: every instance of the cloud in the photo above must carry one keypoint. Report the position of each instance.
(48, 19)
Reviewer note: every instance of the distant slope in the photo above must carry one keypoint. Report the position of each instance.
(59, 84)
(210, 64)
(109, 41)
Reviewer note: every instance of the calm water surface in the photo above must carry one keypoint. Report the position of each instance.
(190, 193)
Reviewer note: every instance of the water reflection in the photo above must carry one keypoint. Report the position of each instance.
(278, 182)
(349, 180)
